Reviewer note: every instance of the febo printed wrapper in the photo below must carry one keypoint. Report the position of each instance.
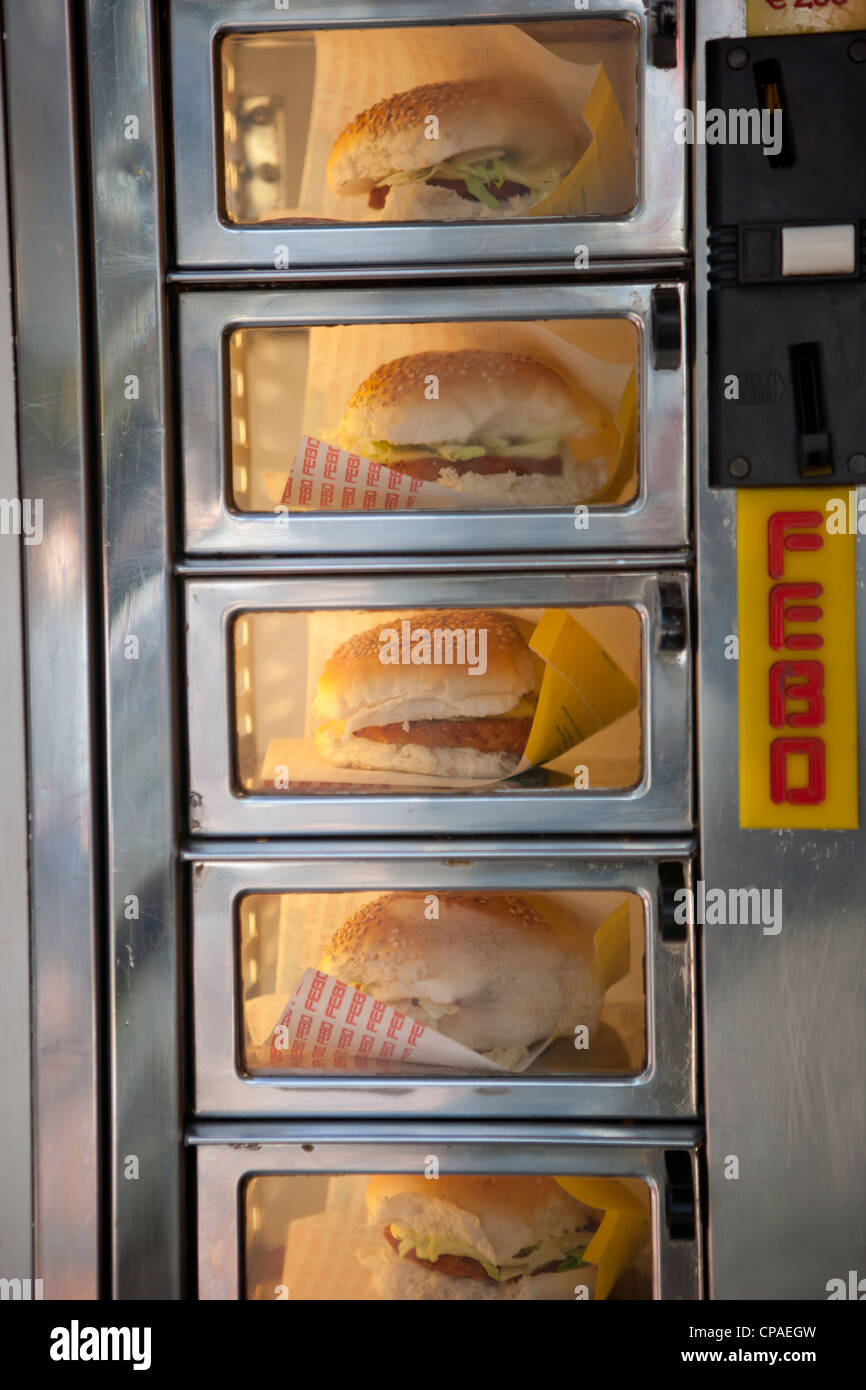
(326, 478)
(328, 1024)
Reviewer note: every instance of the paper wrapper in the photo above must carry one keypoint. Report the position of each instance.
(328, 479)
(329, 1025)
(603, 178)
(583, 690)
(595, 358)
(356, 68)
(622, 1234)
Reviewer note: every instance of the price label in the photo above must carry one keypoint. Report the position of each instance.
(803, 16)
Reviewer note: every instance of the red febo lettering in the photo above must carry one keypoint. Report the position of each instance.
(795, 682)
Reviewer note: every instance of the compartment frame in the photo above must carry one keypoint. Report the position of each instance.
(657, 517)
(227, 1154)
(661, 802)
(665, 1088)
(657, 226)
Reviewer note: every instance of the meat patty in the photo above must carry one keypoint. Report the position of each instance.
(501, 191)
(482, 735)
(428, 469)
(458, 1266)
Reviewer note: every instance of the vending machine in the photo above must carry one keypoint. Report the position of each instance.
(432, 820)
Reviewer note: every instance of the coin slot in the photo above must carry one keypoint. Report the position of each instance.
(814, 441)
(771, 97)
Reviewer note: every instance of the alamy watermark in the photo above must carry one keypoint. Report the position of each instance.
(731, 907)
(77, 1343)
(23, 1290)
(441, 646)
(22, 517)
(714, 126)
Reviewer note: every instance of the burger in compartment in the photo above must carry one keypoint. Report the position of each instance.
(490, 972)
(499, 428)
(499, 148)
(447, 693)
(478, 1238)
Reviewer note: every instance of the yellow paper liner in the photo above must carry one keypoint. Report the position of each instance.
(583, 690)
(624, 1230)
(612, 942)
(591, 187)
(625, 434)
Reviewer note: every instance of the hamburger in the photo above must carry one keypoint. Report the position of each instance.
(491, 972)
(449, 693)
(477, 1238)
(499, 147)
(500, 429)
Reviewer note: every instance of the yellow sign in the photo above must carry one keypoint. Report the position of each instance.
(797, 660)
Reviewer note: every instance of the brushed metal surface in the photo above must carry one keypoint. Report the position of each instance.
(657, 518)
(665, 1089)
(228, 1153)
(636, 268)
(656, 227)
(785, 1045)
(660, 803)
(140, 695)
(43, 119)
(550, 562)
(16, 1133)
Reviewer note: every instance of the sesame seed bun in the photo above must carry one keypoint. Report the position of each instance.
(355, 684)
(481, 396)
(392, 136)
(512, 977)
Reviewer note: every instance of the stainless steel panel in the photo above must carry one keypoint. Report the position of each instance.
(660, 803)
(140, 696)
(784, 1037)
(657, 517)
(666, 1088)
(49, 247)
(227, 1154)
(551, 561)
(16, 1135)
(657, 226)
